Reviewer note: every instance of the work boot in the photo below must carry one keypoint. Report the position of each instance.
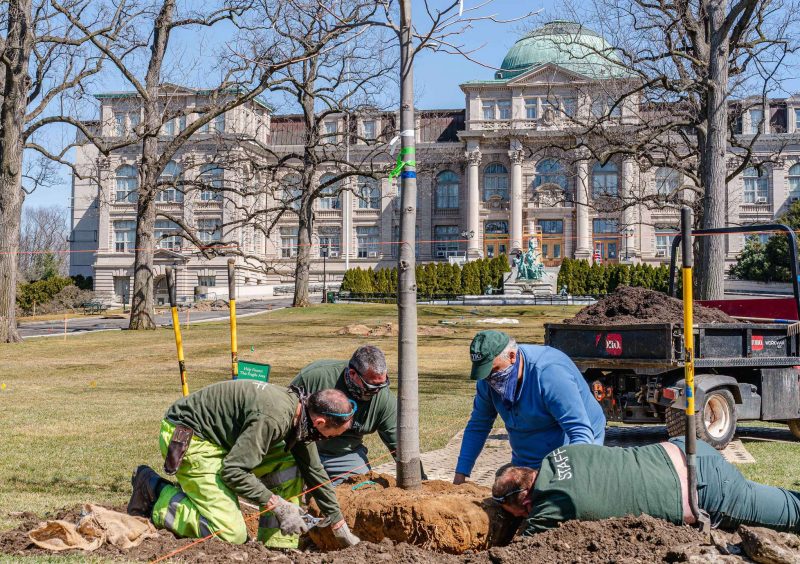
(147, 485)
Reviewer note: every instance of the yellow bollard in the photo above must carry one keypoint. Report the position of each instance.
(232, 302)
(176, 326)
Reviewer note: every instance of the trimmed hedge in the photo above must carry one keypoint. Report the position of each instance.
(433, 279)
(584, 279)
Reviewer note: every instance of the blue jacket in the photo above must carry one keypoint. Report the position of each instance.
(554, 407)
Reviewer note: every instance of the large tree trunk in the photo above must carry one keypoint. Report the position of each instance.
(142, 306)
(408, 457)
(12, 116)
(301, 273)
(712, 156)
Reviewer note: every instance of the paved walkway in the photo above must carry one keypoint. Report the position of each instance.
(440, 464)
(77, 325)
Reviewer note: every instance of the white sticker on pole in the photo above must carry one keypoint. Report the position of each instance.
(396, 138)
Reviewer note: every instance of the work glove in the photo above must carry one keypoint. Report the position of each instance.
(342, 533)
(289, 515)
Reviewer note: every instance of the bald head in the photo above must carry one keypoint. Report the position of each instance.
(510, 489)
(333, 406)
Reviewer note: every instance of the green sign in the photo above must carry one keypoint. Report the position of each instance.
(249, 370)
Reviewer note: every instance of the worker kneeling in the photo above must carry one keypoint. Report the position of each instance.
(592, 482)
(249, 439)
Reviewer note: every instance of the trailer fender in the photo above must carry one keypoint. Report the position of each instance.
(703, 383)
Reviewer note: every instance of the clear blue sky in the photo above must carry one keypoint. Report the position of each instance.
(437, 76)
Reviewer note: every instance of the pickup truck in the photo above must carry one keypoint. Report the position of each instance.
(743, 371)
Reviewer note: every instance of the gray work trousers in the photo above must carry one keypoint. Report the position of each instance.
(340, 467)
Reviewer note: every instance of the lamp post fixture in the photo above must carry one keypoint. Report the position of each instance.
(627, 233)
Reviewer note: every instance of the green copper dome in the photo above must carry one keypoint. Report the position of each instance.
(566, 44)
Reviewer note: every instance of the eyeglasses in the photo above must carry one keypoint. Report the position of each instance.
(502, 499)
(371, 388)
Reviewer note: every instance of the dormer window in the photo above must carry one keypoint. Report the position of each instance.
(369, 130)
(756, 121)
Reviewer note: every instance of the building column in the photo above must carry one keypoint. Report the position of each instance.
(583, 243)
(474, 239)
(516, 155)
(629, 240)
(347, 224)
(779, 188)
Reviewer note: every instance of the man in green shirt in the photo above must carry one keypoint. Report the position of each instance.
(365, 380)
(592, 482)
(233, 439)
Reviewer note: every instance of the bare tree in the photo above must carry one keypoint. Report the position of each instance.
(43, 242)
(666, 99)
(45, 60)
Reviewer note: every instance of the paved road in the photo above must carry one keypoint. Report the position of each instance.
(116, 322)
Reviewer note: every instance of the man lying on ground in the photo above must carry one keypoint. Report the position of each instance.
(249, 439)
(592, 482)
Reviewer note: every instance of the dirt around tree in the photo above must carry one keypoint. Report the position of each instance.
(630, 305)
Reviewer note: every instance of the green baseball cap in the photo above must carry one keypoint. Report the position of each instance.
(484, 348)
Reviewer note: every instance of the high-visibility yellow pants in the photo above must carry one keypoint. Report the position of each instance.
(202, 503)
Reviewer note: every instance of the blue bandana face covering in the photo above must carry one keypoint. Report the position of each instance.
(504, 382)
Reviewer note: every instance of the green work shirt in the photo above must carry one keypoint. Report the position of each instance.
(592, 482)
(247, 418)
(379, 413)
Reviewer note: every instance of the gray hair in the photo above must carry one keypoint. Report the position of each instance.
(510, 347)
(368, 358)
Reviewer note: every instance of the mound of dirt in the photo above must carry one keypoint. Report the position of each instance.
(628, 305)
(210, 305)
(438, 516)
(390, 330)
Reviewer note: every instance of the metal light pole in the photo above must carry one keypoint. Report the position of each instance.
(324, 252)
(408, 458)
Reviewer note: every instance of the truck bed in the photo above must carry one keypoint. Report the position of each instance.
(660, 345)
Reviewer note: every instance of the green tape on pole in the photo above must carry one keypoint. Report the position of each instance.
(407, 151)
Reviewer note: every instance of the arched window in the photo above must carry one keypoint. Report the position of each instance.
(668, 180)
(550, 171)
(495, 181)
(291, 191)
(127, 183)
(168, 190)
(794, 181)
(756, 186)
(605, 180)
(330, 196)
(369, 193)
(211, 178)
(446, 190)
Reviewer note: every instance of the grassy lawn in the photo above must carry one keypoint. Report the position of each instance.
(79, 416)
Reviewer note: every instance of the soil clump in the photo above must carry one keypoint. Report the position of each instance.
(633, 305)
(390, 330)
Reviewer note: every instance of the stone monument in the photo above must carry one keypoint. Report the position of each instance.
(528, 273)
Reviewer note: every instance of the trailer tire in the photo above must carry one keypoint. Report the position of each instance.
(715, 422)
(794, 427)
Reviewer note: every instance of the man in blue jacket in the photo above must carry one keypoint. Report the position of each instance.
(539, 393)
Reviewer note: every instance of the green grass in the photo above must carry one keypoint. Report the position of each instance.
(79, 415)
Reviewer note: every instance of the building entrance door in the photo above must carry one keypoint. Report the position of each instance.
(161, 291)
(495, 238)
(608, 249)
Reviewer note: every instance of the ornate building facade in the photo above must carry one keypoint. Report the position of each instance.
(502, 169)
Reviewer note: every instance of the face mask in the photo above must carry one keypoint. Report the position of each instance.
(504, 382)
(305, 432)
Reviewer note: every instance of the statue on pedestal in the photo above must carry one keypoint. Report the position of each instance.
(529, 265)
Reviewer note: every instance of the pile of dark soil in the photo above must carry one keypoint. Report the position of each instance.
(628, 305)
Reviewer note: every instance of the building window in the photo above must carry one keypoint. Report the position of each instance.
(119, 124)
(122, 288)
(797, 119)
(531, 108)
(369, 193)
(124, 236)
(604, 106)
(168, 190)
(127, 184)
(756, 121)
(329, 129)
(605, 180)
(794, 181)
(166, 234)
(330, 196)
(668, 180)
(367, 240)
(550, 171)
(570, 107)
(495, 181)
(369, 130)
(552, 226)
(605, 226)
(446, 190)
(447, 241)
(488, 109)
(291, 192)
(209, 230)
(664, 243)
(219, 123)
(209, 281)
(330, 241)
(756, 186)
(504, 109)
(211, 180)
(288, 242)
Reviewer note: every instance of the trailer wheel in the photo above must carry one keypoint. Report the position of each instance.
(715, 422)
(794, 427)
